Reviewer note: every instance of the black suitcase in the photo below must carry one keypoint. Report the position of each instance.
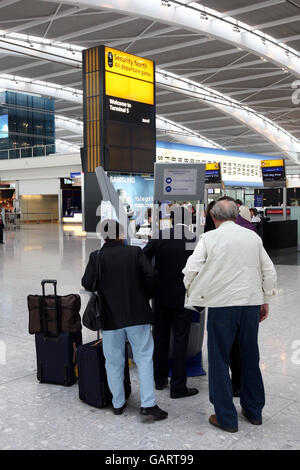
(55, 351)
(92, 379)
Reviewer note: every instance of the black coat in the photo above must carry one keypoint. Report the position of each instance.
(170, 258)
(126, 284)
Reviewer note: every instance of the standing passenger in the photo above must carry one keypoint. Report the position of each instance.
(231, 273)
(126, 278)
(170, 250)
(1, 230)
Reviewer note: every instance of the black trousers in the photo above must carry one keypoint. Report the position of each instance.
(180, 321)
(1, 235)
(236, 364)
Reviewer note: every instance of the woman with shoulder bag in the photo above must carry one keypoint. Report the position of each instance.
(124, 282)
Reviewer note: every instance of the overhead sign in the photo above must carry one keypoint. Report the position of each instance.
(213, 173)
(273, 171)
(128, 76)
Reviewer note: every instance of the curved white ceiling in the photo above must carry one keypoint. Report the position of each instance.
(208, 22)
(180, 16)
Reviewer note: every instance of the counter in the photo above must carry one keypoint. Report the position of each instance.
(279, 234)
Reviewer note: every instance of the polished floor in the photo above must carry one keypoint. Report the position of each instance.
(40, 416)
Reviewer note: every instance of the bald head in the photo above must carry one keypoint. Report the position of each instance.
(224, 210)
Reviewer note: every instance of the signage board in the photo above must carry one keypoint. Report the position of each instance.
(273, 172)
(179, 182)
(213, 173)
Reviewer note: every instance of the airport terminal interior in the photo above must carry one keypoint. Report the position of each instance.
(110, 107)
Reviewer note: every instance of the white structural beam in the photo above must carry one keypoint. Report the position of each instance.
(52, 90)
(7, 3)
(288, 144)
(271, 132)
(211, 24)
(92, 29)
(23, 26)
(41, 51)
(253, 7)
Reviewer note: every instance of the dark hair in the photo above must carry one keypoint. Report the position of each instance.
(180, 215)
(254, 210)
(148, 212)
(239, 202)
(111, 230)
(209, 207)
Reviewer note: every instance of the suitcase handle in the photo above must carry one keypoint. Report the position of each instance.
(49, 281)
(43, 308)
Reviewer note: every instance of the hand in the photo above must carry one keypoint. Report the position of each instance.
(264, 312)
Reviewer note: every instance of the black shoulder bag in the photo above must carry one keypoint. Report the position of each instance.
(93, 313)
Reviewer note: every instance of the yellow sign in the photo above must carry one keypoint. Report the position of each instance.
(129, 65)
(266, 163)
(128, 88)
(212, 166)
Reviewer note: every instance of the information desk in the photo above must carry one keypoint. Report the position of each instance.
(279, 234)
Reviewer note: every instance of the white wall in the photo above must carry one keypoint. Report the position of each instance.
(41, 186)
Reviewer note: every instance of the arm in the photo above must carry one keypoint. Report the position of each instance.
(194, 263)
(151, 248)
(269, 276)
(87, 280)
(147, 272)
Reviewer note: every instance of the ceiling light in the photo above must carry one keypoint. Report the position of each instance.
(236, 29)
(203, 16)
(165, 3)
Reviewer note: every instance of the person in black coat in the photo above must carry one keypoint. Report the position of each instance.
(171, 250)
(1, 229)
(125, 280)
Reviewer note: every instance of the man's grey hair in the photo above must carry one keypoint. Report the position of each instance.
(225, 210)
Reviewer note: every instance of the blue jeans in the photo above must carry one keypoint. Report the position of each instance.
(141, 341)
(223, 324)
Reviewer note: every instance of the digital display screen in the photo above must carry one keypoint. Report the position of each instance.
(3, 126)
(273, 170)
(213, 173)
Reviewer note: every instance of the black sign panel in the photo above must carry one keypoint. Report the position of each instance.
(128, 111)
(273, 173)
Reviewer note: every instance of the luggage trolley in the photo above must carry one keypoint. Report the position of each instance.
(178, 182)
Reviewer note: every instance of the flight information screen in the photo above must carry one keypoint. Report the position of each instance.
(213, 173)
(273, 170)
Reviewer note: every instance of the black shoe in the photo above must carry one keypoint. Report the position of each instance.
(236, 392)
(119, 411)
(161, 385)
(154, 411)
(188, 392)
(256, 422)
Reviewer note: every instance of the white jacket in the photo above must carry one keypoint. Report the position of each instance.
(229, 267)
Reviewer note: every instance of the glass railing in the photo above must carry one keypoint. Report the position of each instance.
(27, 152)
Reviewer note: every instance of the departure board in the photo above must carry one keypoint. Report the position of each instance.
(213, 173)
(273, 170)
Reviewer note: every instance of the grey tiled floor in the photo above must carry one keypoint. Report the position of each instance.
(35, 416)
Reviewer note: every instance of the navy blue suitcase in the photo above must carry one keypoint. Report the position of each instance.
(56, 351)
(92, 379)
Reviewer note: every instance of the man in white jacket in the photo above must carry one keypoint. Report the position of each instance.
(231, 273)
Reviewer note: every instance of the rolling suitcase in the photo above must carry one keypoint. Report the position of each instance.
(92, 380)
(55, 351)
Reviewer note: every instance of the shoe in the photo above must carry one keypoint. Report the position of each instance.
(161, 385)
(119, 411)
(154, 411)
(236, 392)
(188, 392)
(214, 422)
(256, 422)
